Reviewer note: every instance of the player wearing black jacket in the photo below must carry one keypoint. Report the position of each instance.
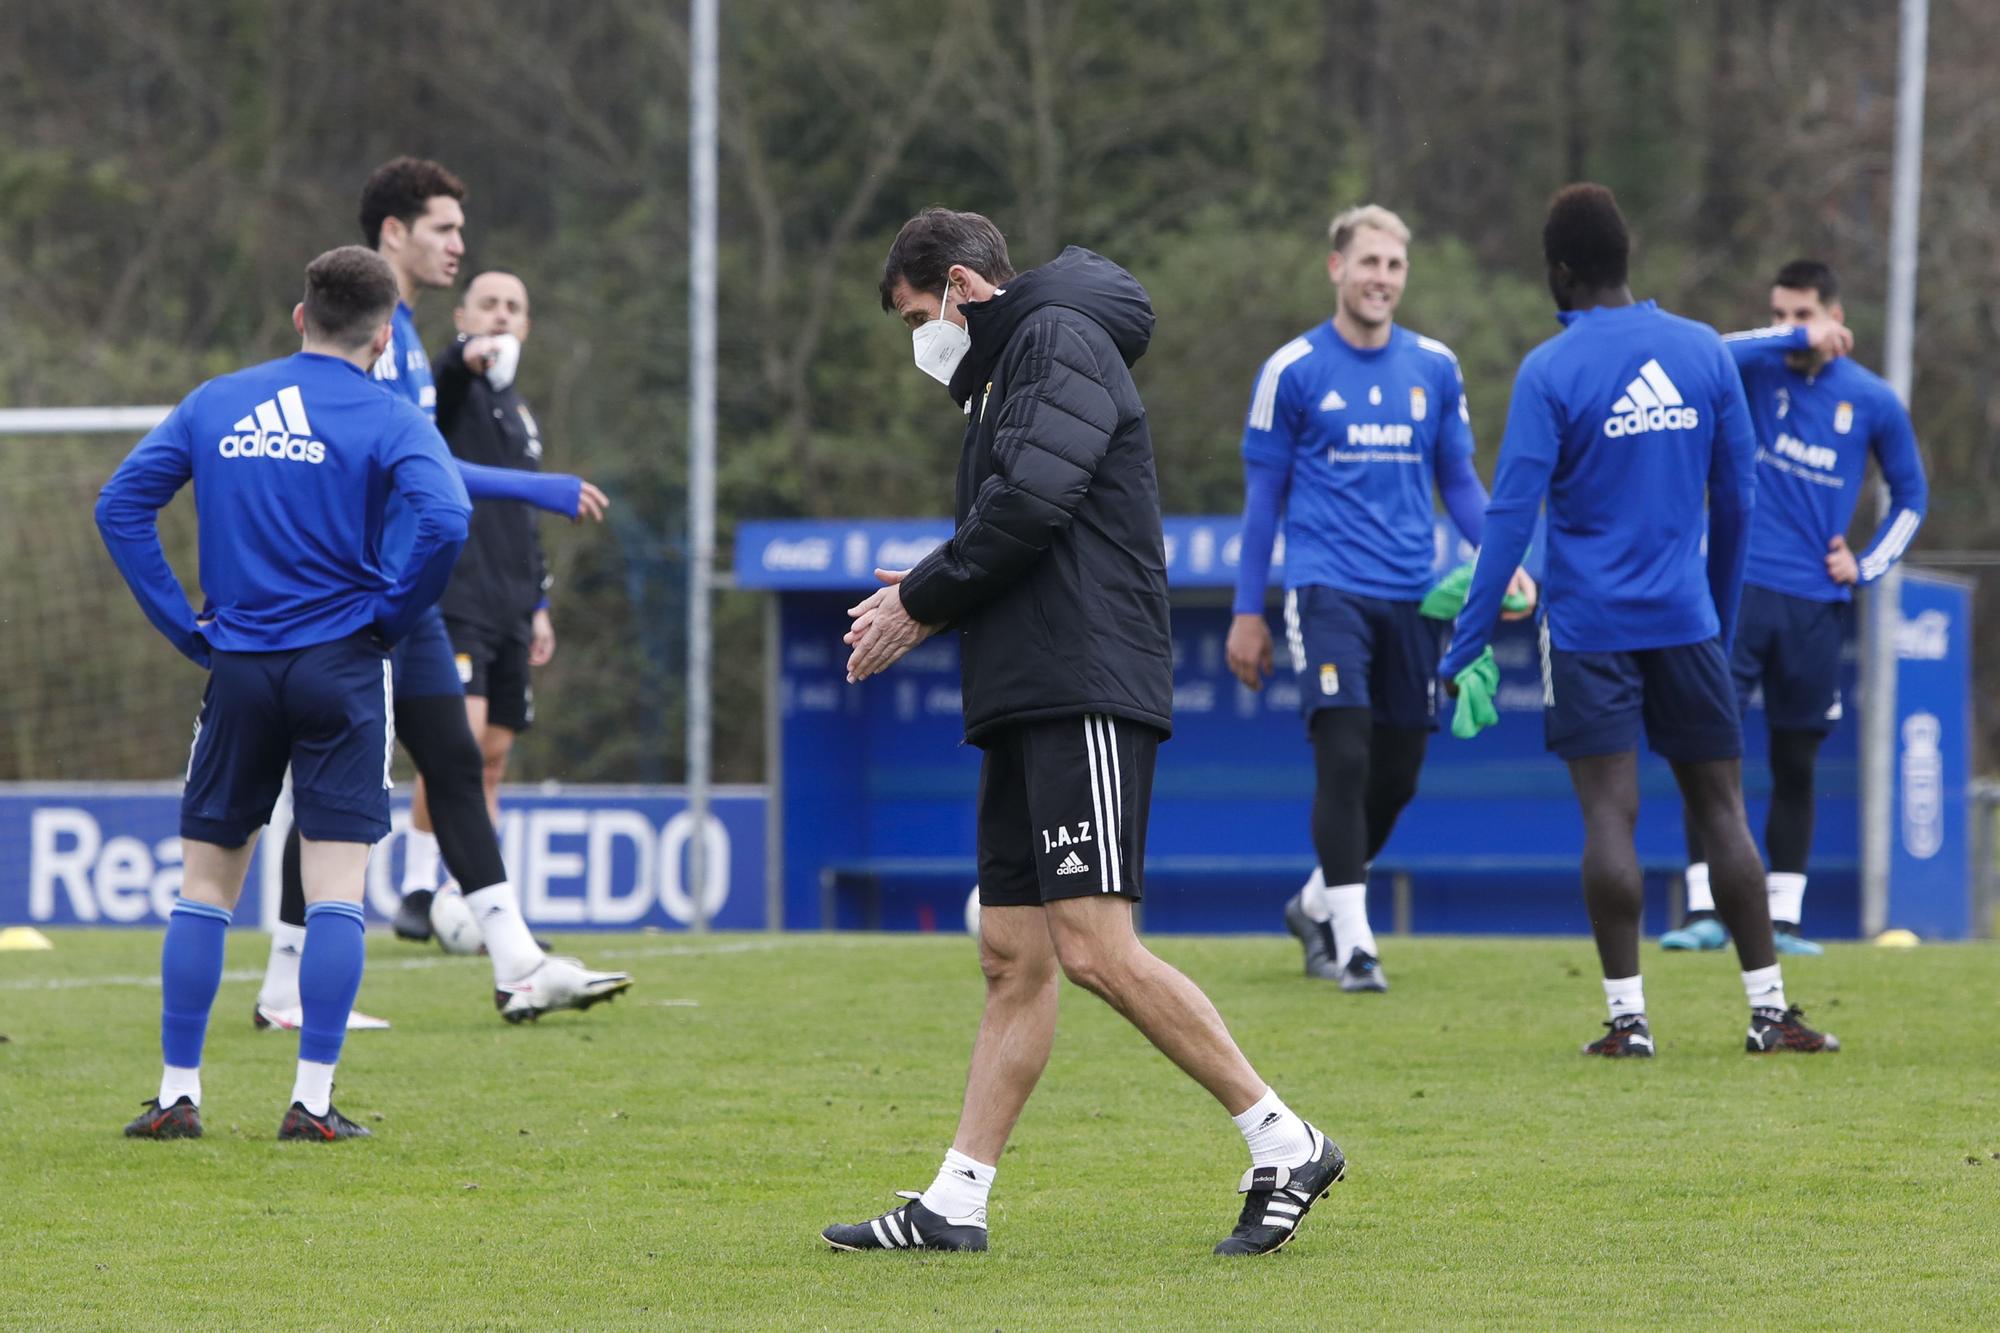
(1056, 580)
(496, 607)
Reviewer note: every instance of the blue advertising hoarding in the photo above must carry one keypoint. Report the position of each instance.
(583, 858)
(1930, 866)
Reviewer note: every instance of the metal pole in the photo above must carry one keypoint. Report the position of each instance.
(1878, 738)
(701, 436)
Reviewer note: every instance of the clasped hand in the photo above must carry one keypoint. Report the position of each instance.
(882, 630)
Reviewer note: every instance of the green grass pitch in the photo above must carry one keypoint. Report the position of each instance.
(667, 1161)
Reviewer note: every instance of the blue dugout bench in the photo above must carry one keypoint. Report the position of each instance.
(872, 789)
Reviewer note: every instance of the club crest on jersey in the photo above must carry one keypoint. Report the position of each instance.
(534, 432)
(1329, 679)
(1784, 402)
(1375, 395)
(1843, 418)
(1419, 405)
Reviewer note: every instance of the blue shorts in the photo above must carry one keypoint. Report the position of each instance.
(1352, 651)
(325, 711)
(1595, 703)
(1791, 646)
(425, 664)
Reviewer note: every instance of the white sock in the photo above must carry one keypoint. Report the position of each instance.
(1625, 996)
(1700, 899)
(1348, 905)
(1787, 893)
(958, 1195)
(313, 1088)
(178, 1083)
(281, 973)
(1764, 988)
(508, 942)
(420, 861)
(1277, 1137)
(1312, 897)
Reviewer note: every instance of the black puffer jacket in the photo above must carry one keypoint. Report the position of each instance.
(1057, 575)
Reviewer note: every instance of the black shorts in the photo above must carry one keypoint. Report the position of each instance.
(323, 710)
(1683, 698)
(494, 667)
(1352, 651)
(1062, 810)
(1790, 647)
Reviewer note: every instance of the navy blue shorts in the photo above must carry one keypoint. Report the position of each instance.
(1352, 651)
(1595, 703)
(325, 711)
(1791, 647)
(425, 664)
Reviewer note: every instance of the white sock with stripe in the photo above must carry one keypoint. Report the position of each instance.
(958, 1195)
(1625, 997)
(1765, 988)
(1276, 1135)
(281, 973)
(1312, 897)
(509, 943)
(1348, 905)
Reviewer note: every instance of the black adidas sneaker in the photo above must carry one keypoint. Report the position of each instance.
(301, 1125)
(1277, 1198)
(179, 1121)
(1628, 1036)
(911, 1227)
(1316, 937)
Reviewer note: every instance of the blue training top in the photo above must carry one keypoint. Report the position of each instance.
(404, 368)
(1345, 442)
(294, 464)
(1815, 432)
(1626, 421)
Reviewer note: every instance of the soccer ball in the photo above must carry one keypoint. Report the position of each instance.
(972, 912)
(452, 924)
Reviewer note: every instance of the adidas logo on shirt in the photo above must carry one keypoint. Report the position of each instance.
(1072, 865)
(1333, 402)
(1650, 402)
(275, 428)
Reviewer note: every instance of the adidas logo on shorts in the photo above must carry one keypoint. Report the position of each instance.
(1650, 402)
(1072, 865)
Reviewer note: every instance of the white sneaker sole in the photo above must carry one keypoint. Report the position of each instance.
(267, 1019)
(598, 994)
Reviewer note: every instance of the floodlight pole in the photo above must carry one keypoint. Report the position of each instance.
(701, 439)
(1878, 734)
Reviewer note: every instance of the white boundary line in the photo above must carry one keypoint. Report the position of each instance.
(442, 960)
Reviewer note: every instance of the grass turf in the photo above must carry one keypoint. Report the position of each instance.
(667, 1161)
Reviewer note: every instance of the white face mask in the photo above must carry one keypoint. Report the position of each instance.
(940, 344)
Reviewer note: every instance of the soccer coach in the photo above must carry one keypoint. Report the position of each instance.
(1056, 579)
